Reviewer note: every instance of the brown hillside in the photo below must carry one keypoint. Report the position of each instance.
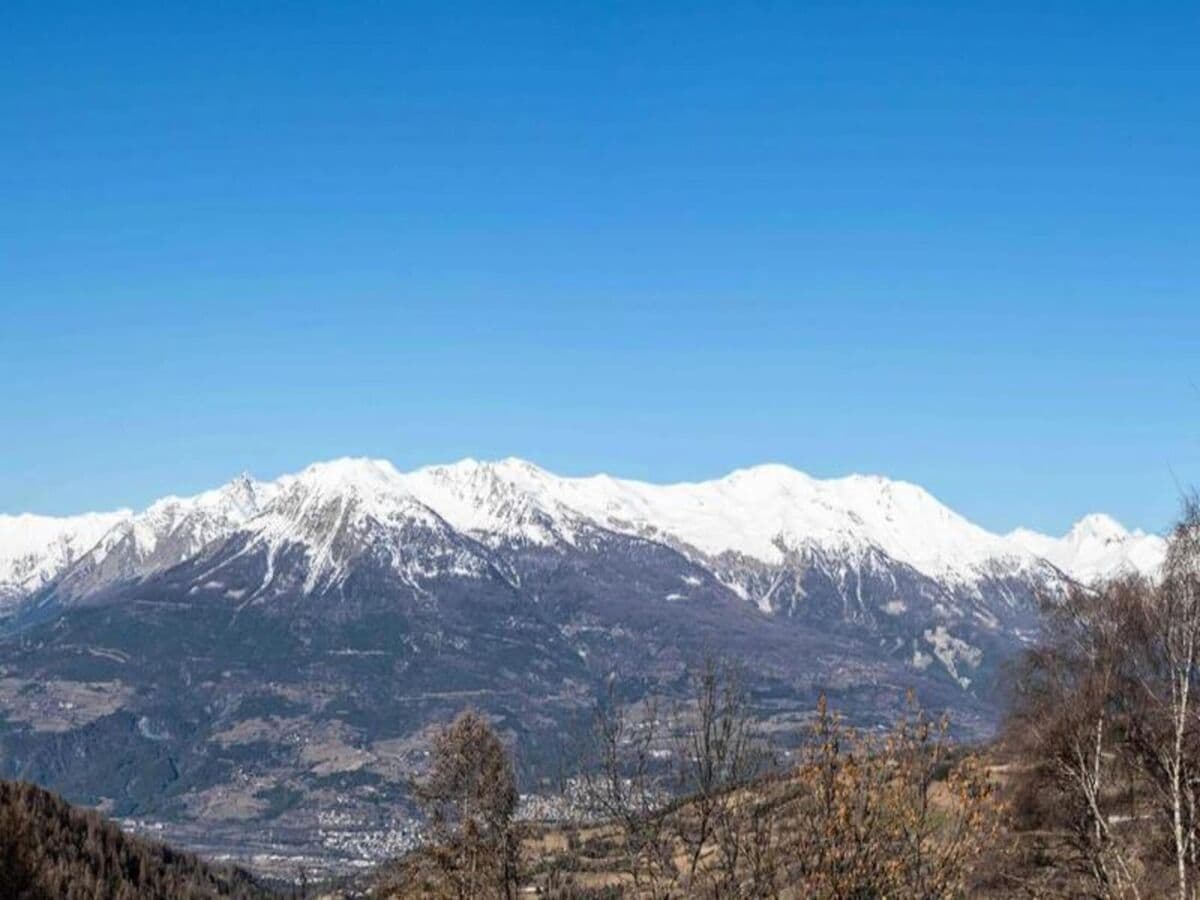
(50, 850)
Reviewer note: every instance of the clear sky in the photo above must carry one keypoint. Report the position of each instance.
(954, 243)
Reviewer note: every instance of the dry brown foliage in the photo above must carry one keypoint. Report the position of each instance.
(50, 850)
(897, 815)
(1105, 732)
(469, 799)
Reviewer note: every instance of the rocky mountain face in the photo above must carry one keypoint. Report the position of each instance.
(266, 653)
(36, 549)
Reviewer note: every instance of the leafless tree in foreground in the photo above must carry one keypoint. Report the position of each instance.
(1072, 712)
(718, 752)
(860, 816)
(622, 784)
(1168, 709)
(469, 800)
(884, 817)
(1108, 719)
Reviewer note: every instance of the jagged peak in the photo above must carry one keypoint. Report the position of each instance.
(237, 499)
(469, 466)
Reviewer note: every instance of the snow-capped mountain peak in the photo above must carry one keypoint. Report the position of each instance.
(348, 510)
(1097, 527)
(1095, 548)
(366, 487)
(350, 473)
(509, 498)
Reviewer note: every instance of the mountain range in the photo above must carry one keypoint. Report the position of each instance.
(269, 650)
(762, 513)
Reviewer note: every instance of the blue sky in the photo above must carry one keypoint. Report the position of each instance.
(952, 243)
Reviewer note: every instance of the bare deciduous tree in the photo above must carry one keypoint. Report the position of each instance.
(623, 784)
(863, 820)
(858, 817)
(717, 751)
(1072, 709)
(469, 800)
(1167, 720)
(1108, 712)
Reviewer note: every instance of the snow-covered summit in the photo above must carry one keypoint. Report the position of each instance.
(350, 473)
(510, 499)
(1097, 547)
(346, 510)
(337, 489)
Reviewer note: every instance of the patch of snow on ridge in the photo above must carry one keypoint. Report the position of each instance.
(951, 652)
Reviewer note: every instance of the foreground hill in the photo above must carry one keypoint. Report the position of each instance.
(49, 850)
(258, 666)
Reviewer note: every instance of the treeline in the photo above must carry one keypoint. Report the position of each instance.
(50, 850)
(1105, 731)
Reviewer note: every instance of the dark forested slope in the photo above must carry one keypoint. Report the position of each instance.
(50, 850)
